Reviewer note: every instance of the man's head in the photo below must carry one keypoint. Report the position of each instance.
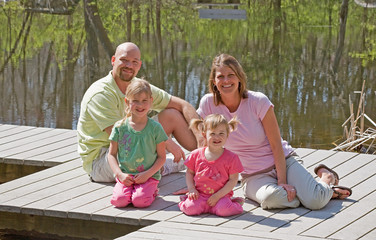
(126, 62)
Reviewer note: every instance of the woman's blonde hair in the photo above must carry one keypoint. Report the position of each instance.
(231, 62)
(212, 121)
(137, 86)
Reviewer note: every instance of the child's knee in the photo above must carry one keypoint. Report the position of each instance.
(142, 200)
(120, 201)
(225, 208)
(190, 207)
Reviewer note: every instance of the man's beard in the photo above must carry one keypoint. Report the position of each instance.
(125, 77)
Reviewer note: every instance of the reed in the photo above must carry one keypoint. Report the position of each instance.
(356, 137)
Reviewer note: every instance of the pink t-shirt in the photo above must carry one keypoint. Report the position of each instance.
(211, 176)
(249, 141)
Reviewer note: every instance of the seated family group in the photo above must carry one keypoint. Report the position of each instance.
(233, 132)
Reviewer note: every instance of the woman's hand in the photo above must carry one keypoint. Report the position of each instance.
(291, 191)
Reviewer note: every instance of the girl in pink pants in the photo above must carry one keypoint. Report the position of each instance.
(212, 171)
(137, 150)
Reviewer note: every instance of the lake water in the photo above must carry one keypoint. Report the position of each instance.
(305, 56)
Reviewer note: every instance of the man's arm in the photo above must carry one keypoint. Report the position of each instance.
(188, 111)
(108, 130)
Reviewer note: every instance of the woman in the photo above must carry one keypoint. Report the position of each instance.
(272, 173)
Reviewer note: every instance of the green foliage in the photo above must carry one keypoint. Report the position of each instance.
(44, 29)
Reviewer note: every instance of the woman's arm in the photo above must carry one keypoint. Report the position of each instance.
(272, 132)
(231, 183)
(161, 159)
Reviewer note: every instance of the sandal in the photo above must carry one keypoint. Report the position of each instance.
(339, 195)
(317, 168)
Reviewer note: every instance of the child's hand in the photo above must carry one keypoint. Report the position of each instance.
(141, 177)
(126, 179)
(213, 200)
(193, 194)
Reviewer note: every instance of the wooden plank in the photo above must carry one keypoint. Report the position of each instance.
(344, 218)
(208, 232)
(370, 235)
(6, 127)
(9, 133)
(138, 214)
(303, 152)
(359, 228)
(22, 135)
(38, 176)
(77, 188)
(14, 158)
(62, 159)
(250, 218)
(85, 211)
(334, 160)
(29, 193)
(167, 213)
(64, 150)
(316, 157)
(98, 191)
(153, 235)
(34, 142)
(314, 218)
(280, 219)
(354, 165)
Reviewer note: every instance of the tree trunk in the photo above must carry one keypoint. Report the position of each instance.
(96, 22)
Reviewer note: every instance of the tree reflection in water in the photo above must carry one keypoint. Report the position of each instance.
(307, 57)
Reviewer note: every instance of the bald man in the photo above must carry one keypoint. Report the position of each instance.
(103, 105)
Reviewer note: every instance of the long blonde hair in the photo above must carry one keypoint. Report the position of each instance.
(231, 62)
(212, 121)
(137, 86)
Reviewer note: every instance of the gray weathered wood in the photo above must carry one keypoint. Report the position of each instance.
(65, 191)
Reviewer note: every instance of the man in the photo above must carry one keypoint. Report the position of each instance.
(103, 104)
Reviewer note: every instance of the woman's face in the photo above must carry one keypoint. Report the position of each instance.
(226, 81)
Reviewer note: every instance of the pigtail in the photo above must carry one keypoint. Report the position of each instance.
(197, 124)
(233, 123)
(127, 109)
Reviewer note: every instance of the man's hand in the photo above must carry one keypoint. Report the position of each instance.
(175, 149)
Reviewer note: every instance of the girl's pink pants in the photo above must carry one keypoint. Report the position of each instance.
(224, 207)
(140, 195)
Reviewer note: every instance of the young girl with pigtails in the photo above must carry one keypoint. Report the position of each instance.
(212, 171)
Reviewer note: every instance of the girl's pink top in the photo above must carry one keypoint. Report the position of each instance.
(211, 176)
(249, 141)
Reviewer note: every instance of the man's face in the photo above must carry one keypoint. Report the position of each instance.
(126, 63)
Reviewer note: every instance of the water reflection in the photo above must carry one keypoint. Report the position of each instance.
(307, 57)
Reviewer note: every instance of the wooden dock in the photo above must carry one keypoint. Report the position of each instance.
(60, 199)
